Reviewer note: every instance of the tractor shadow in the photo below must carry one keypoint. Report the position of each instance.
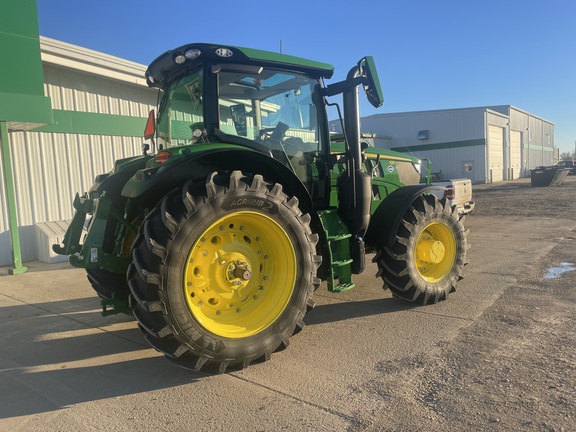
(57, 354)
(342, 311)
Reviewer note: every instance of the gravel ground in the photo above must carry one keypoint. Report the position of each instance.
(519, 198)
(514, 368)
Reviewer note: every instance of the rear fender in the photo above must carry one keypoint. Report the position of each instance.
(388, 216)
(148, 186)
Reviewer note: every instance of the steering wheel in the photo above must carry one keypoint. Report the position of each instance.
(278, 132)
(274, 142)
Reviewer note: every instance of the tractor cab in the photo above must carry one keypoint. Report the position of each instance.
(266, 102)
(271, 103)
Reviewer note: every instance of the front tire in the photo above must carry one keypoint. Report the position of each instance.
(223, 272)
(108, 284)
(429, 253)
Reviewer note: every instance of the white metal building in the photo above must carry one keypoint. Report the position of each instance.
(100, 105)
(484, 144)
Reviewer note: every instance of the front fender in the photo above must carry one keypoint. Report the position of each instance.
(386, 220)
(113, 182)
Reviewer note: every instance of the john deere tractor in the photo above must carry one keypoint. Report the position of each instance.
(217, 236)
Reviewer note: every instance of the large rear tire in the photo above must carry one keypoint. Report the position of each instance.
(223, 272)
(429, 253)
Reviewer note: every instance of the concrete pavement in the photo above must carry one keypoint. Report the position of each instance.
(64, 367)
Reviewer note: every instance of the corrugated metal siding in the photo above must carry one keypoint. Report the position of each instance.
(77, 91)
(451, 163)
(445, 127)
(515, 154)
(49, 169)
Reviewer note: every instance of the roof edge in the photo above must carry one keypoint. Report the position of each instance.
(86, 60)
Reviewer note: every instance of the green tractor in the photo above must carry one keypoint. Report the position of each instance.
(217, 236)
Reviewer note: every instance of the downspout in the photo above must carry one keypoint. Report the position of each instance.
(18, 268)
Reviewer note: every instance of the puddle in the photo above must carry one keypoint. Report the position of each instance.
(556, 272)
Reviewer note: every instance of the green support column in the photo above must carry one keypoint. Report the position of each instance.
(23, 105)
(11, 201)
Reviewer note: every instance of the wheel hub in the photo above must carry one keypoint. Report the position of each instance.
(435, 252)
(238, 271)
(431, 251)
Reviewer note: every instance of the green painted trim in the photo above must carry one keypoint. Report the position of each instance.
(10, 200)
(260, 55)
(25, 108)
(539, 148)
(22, 97)
(441, 146)
(85, 123)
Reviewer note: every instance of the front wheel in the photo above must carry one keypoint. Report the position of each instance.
(223, 272)
(429, 253)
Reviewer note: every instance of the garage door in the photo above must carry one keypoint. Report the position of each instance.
(495, 153)
(515, 154)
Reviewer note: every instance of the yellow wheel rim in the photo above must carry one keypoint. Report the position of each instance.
(435, 252)
(240, 275)
(129, 238)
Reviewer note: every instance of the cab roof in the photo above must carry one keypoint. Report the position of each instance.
(177, 61)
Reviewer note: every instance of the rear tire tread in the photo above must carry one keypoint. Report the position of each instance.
(152, 256)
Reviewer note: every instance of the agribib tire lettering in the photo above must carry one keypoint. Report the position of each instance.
(251, 202)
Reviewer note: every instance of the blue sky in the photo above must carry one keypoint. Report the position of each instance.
(430, 54)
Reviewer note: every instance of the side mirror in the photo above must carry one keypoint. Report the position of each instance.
(150, 129)
(368, 71)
